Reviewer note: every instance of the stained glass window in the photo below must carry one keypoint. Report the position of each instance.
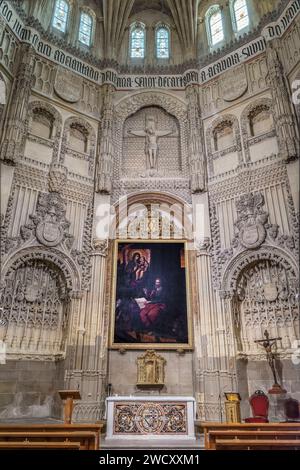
(241, 14)
(85, 29)
(60, 16)
(137, 46)
(216, 27)
(162, 43)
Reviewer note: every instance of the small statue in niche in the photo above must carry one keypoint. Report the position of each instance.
(150, 370)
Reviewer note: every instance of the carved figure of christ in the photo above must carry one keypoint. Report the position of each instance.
(151, 148)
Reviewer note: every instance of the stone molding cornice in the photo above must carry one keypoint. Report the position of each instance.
(118, 68)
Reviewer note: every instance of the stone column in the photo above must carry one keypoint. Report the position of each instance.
(97, 47)
(7, 171)
(88, 372)
(87, 358)
(73, 24)
(150, 51)
(227, 24)
(196, 140)
(253, 12)
(12, 146)
(7, 174)
(105, 152)
(202, 40)
(2, 28)
(284, 118)
(43, 11)
(215, 366)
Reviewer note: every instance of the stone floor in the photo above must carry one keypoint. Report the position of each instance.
(131, 444)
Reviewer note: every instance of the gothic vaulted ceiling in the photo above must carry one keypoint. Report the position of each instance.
(117, 12)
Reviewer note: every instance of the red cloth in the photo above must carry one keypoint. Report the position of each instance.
(256, 420)
(150, 313)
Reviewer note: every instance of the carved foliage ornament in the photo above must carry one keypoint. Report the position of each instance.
(57, 177)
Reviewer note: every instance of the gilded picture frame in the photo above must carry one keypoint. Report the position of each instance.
(150, 300)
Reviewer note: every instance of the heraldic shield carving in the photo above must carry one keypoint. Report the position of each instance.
(250, 225)
(49, 224)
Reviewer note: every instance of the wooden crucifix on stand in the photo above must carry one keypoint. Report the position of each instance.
(268, 344)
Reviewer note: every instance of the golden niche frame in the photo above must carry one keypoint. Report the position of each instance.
(150, 301)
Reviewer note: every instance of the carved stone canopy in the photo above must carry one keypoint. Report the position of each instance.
(150, 370)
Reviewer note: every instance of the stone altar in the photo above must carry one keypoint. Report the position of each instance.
(151, 417)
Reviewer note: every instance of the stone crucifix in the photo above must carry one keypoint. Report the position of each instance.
(268, 344)
(151, 134)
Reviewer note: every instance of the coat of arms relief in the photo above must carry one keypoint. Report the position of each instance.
(49, 224)
(250, 228)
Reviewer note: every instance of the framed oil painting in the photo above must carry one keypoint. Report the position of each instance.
(150, 308)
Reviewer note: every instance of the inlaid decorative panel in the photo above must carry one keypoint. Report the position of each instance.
(150, 418)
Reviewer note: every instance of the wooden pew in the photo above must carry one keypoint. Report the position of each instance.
(257, 444)
(88, 435)
(40, 445)
(213, 431)
(86, 439)
(240, 436)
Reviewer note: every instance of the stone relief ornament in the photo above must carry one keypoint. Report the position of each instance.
(234, 83)
(34, 295)
(32, 291)
(250, 225)
(48, 225)
(49, 222)
(67, 85)
(58, 175)
(266, 293)
(252, 230)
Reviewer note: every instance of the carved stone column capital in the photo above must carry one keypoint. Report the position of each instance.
(203, 247)
(100, 247)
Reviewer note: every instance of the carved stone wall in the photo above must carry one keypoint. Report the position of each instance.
(177, 113)
(87, 153)
(224, 123)
(266, 298)
(35, 303)
(55, 130)
(229, 144)
(168, 146)
(263, 108)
